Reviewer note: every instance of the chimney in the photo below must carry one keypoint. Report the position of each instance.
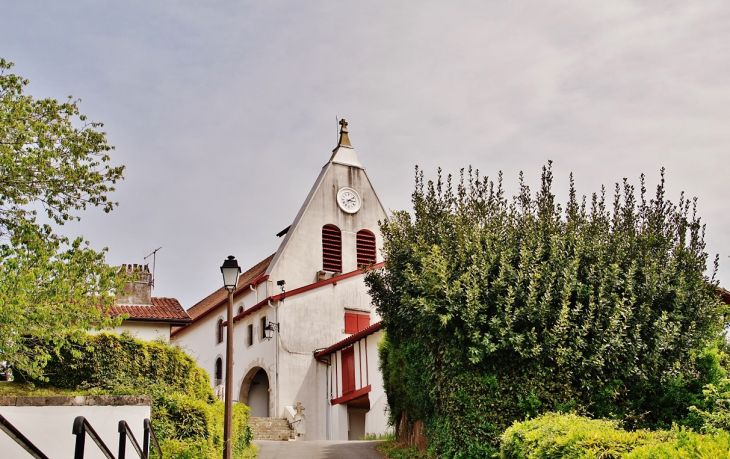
(138, 287)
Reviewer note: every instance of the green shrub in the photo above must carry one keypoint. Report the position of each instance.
(568, 436)
(716, 413)
(686, 445)
(186, 416)
(496, 309)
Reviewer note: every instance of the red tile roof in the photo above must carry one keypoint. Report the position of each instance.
(218, 297)
(161, 309)
(724, 295)
(349, 340)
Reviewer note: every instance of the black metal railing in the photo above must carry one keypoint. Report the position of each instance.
(20, 439)
(82, 427)
(149, 435)
(126, 433)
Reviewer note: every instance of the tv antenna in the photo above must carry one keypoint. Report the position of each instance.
(154, 262)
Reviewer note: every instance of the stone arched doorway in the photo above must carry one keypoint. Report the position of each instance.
(255, 392)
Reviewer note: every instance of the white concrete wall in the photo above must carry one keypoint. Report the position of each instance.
(376, 420)
(145, 331)
(49, 428)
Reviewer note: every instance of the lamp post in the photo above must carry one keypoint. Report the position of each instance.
(230, 271)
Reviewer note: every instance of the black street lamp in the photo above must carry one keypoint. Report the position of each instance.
(230, 271)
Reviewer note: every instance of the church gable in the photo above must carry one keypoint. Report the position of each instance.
(336, 226)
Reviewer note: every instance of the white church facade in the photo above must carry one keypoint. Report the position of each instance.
(305, 332)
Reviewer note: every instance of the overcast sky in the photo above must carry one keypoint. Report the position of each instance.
(224, 112)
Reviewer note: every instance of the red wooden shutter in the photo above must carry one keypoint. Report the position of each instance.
(348, 370)
(331, 248)
(363, 321)
(365, 248)
(350, 323)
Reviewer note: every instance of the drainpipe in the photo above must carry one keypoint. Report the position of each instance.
(256, 291)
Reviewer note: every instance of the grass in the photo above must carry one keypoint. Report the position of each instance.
(395, 450)
(16, 389)
(372, 436)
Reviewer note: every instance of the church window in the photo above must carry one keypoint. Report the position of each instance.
(219, 332)
(263, 327)
(331, 248)
(249, 335)
(365, 248)
(356, 322)
(218, 372)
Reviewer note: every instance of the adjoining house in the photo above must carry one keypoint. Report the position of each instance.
(149, 317)
(306, 332)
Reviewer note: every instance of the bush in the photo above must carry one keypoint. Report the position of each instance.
(553, 436)
(497, 309)
(570, 436)
(186, 416)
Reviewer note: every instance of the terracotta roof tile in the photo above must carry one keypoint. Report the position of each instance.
(349, 340)
(167, 309)
(214, 299)
(724, 295)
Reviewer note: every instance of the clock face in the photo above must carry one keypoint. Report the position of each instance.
(348, 200)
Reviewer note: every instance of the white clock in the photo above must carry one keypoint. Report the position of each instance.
(348, 200)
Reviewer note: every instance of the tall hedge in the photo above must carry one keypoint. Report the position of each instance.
(186, 416)
(497, 308)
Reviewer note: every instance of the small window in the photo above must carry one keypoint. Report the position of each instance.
(219, 331)
(240, 309)
(218, 372)
(365, 248)
(250, 335)
(263, 327)
(331, 248)
(356, 322)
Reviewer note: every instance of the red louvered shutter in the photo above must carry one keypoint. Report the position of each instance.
(363, 322)
(331, 248)
(365, 248)
(350, 323)
(348, 370)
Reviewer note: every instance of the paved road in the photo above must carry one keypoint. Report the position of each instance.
(317, 449)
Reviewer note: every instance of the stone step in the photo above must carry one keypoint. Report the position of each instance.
(270, 429)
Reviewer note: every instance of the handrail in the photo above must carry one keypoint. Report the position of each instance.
(20, 439)
(124, 433)
(80, 428)
(148, 432)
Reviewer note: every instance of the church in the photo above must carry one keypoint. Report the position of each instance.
(305, 332)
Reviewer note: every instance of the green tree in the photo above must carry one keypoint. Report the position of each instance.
(496, 309)
(52, 160)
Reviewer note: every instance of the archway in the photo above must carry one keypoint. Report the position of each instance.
(255, 392)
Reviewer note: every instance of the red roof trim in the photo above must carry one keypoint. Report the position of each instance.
(349, 340)
(352, 395)
(304, 289)
(281, 296)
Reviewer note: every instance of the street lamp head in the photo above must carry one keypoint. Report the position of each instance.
(269, 330)
(230, 271)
